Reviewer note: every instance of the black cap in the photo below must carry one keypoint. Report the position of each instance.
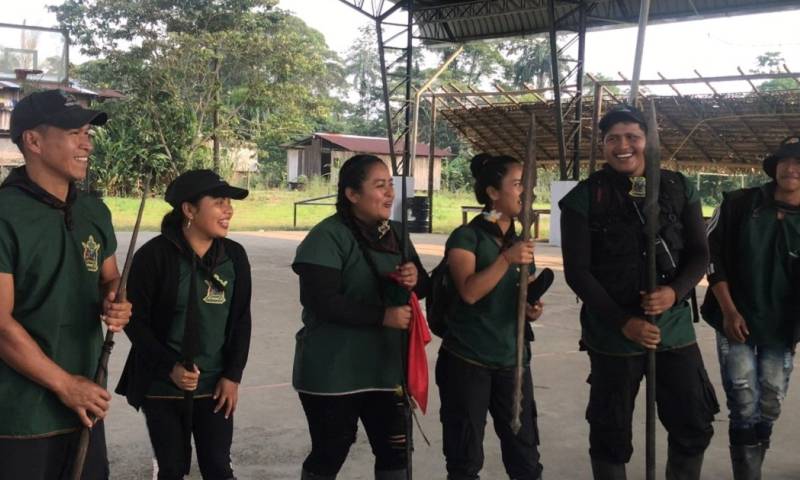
(622, 113)
(195, 183)
(51, 107)
(790, 148)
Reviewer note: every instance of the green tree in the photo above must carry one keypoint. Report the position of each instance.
(772, 62)
(265, 72)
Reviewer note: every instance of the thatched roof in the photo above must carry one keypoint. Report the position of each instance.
(728, 129)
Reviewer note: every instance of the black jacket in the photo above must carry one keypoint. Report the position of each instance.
(153, 290)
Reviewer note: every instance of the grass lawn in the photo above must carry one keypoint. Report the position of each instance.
(273, 210)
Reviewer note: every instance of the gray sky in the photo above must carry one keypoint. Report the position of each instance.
(714, 47)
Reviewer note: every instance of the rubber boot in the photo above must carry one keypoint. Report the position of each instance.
(390, 474)
(608, 471)
(306, 475)
(683, 467)
(746, 462)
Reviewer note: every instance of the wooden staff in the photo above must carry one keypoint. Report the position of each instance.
(651, 212)
(526, 217)
(102, 365)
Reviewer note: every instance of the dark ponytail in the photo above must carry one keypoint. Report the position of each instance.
(174, 219)
(488, 171)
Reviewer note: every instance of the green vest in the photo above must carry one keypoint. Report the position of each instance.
(335, 359)
(599, 334)
(212, 310)
(485, 332)
(56, 299)
(761, 288)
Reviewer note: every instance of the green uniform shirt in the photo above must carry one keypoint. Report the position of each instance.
(485, 332)
(603, 336)
(336, 359)
(766, 246)
(212, 317)
(57, 300)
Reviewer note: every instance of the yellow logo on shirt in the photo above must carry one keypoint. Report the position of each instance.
(91, 254)
(214, 295)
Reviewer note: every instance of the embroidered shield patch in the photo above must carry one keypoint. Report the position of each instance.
(215, 295)
(91, 254)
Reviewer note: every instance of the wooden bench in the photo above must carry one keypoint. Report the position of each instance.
(466, 209)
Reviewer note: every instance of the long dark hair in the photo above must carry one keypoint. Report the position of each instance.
(488, 171)
(352, 175)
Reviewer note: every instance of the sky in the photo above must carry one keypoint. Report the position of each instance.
(713, 47)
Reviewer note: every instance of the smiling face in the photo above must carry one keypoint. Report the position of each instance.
(787, 174)
(623, 148)
(211, 217)
(507, 200)
(373, 201)
(60, 154)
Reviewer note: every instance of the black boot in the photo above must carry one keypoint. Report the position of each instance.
(391, 474)
(746, 462)
(683, 467)
(306, 475)
(608, 471)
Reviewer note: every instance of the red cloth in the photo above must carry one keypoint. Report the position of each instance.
(418, 337)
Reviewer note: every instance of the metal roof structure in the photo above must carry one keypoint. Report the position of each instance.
(398, 22)
(729, 131)
(460, 21)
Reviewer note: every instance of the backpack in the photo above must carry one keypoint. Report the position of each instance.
(441, 298)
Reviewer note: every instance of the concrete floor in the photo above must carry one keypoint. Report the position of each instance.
(271, 439)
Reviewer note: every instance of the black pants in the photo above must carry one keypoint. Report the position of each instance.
(467, 391)
(333, 422)
(51, 458)
(212, 433)
(685, 401)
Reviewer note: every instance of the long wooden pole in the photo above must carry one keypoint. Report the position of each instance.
(101, 374)
(526, 218)
(651, 211)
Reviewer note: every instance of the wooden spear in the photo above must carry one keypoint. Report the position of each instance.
(526, 218)
(102, 365)
(651, 212)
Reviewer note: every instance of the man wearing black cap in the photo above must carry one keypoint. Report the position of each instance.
(604, 247)
(58, 274)
(753, 302)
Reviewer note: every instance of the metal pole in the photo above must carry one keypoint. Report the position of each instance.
(644, 14)
(596, 111)
(576, 146)
(386, 103)
(431, 163)
(562, 147)
(423, 89)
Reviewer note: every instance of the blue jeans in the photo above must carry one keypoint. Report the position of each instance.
(755, 379)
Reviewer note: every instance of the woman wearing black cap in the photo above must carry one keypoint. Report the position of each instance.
(475, 369)
(348, 360)
(191, 332)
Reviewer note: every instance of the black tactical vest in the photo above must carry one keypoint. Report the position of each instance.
(616, 223)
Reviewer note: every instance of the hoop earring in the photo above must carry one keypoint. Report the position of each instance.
(188, 224)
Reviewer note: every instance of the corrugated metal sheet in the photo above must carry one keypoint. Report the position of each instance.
(373, 145)
(459, 21)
